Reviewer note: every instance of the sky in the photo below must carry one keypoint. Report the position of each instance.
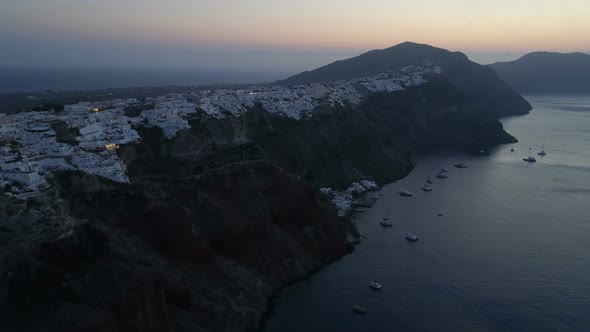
(276, 35)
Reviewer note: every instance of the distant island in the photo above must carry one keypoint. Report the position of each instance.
(540, 72)
(188, 211)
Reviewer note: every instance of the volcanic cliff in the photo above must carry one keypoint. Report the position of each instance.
(219, 218)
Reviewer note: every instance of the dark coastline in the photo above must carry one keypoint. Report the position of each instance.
(276, 295)
(237, 223)
(422, 150)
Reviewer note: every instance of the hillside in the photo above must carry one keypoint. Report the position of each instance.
(474, 80)
(220, 215)
(547, 72)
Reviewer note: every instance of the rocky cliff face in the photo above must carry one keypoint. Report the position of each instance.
(217, 219)
(375, 139)
(168, 254)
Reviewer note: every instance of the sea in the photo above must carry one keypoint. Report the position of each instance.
(511, 251)
(13, 80)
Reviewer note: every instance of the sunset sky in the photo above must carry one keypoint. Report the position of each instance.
(265, 34)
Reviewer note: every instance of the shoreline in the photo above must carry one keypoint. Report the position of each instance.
(272, 303)
(275, 297)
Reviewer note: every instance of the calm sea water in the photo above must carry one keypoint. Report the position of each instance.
(510, 253)
(20, 80)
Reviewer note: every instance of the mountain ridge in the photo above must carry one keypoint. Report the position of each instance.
(474, 80)
(367, 69)
(216, 219)
(544, 71)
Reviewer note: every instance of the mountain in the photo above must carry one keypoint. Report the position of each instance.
(219, 217)
(547, 72)
(474, 80)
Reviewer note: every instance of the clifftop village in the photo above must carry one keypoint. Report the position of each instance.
(30, 150)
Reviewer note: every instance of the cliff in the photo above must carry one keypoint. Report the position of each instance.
(220, 217)
(167, 254)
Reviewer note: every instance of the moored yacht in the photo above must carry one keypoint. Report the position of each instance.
(426, 187)
(444, 170)
(429, 180)
(405, 193)
(529, 159)
(411, 236)
(461, 165)
(441, 176)
(375, 285)
(359, 309)
(386, 223)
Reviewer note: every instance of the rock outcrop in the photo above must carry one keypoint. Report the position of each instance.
(165, 254)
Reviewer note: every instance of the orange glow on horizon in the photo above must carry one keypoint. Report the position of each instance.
(305, 25)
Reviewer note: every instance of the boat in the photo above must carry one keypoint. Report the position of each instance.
(512, 149)
(441, 176)
(426, 187)
(429, 180)
(444, 170)
(482, 151)
(385, 222)
(529, 159)
(375, 285)
(405, 193)
(461, 165)
(412, 237)
(359, 309)
(542, 153)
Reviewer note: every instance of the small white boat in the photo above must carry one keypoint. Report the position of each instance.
(461, 165)
(359, 309)
(405, 193)
(444, 170)
(411, 237)
(441, 176)
(542, 153)
(386, 223)
(375, 285)
(426, 187)
(482, 151)
(429, 180)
